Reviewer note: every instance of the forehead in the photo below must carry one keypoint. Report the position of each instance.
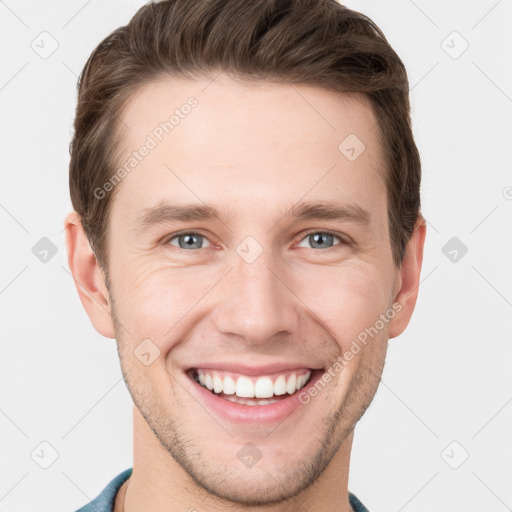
(230, 142)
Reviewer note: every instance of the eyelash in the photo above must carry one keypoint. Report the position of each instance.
(343, 240)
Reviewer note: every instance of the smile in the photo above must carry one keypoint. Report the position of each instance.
(259, 398)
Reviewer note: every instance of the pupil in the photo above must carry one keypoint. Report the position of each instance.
(189, 241)
(318, 238)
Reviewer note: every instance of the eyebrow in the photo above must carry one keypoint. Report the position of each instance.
(165, 212)
(330, 211)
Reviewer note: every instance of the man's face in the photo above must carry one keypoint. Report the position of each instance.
(256, 291)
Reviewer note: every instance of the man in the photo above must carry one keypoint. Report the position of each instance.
(247, 227)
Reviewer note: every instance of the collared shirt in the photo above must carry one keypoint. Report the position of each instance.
(105, 501)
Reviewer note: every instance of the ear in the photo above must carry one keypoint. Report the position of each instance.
(408, 280)
(88, 276)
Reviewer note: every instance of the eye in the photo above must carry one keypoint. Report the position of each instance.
(188, 241)
(322, 240)
(318, 239)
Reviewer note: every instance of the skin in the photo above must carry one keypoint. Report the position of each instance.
(252, 151)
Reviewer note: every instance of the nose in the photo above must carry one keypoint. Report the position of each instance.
(255, 302)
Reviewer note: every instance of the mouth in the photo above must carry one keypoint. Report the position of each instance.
(258, 391)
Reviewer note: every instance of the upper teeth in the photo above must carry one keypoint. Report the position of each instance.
(247, 387)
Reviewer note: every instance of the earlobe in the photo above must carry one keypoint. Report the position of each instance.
(409, 278)
(88, 276)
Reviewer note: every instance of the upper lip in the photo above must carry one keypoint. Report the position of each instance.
(263, 369)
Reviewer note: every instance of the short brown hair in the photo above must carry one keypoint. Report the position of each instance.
(314, 42)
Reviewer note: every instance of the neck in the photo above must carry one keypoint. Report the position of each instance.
(158, 483)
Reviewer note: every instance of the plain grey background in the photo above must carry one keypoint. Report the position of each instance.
(436, 437)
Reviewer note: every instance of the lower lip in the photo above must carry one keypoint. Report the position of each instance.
(263, 414)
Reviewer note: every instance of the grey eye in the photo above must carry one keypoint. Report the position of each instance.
(189, 241)
(320, 240)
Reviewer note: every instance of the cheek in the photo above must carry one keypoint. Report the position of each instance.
(153, 299)
(347, 300)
